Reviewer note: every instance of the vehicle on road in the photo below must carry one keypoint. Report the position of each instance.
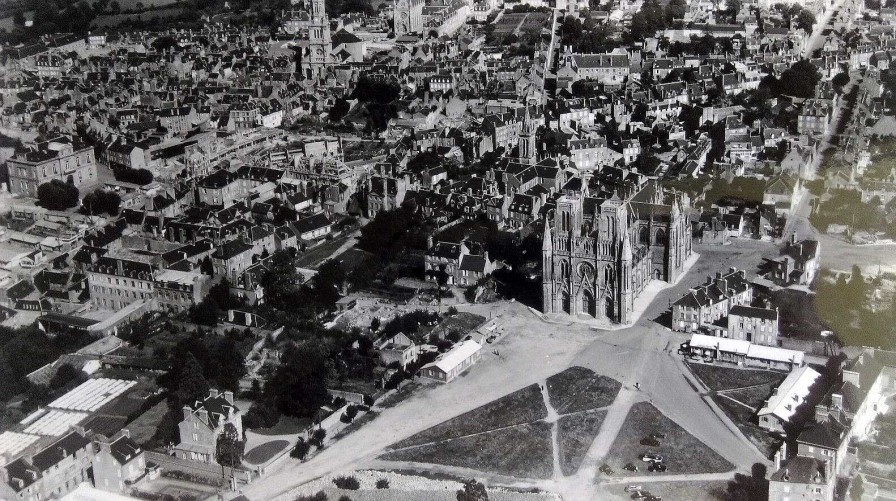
(632, 488)
(651, 458)
(657, 467)
(640, 495)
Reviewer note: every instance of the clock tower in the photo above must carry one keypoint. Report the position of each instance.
(319, 44)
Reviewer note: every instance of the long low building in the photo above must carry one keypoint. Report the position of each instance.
(745, 353)
(454, 362)
(788, 396)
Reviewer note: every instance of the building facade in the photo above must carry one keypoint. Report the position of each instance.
(599, 254)
(408, 17)
(60, 160)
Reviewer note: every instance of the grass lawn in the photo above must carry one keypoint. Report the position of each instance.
(683, 452)
(285, 426)
(522, 406)
(716, 377)
(522, 451)
(579, 389)
(692, 491)
(313, 257)
(265, 451)
(145, 426)
(576, 433)
(743, 417)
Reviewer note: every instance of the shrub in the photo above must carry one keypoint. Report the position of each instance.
(345, 418)
(452, 311)
(344, 498)
(320, 496)
(382, 483)
(650, 442)
(317, 438)
(135, 176)
(347, 483)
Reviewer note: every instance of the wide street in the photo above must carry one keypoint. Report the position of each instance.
(534, 350)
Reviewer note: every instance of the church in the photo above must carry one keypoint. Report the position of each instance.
(600, 252)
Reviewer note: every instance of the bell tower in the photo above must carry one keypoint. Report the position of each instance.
(319, 43)
(527, 140)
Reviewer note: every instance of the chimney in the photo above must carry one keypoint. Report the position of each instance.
(213, 393)
(228, 395)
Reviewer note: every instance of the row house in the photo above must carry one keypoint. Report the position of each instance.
(116, 282)
(707, 303)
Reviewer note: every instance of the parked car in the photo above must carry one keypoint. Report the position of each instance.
(640, 495)
(695, 358)
(650, 442)
(632, 488)
(653, 498)
(684, 348)
(657, 435)
(630, 467)
(657, 467)
(606, 470)
(707, 360)
(652, 458)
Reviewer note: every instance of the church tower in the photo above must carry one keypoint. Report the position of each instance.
(319, 43)
(527, 140)
(626, 296)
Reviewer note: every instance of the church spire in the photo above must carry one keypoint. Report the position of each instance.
(547, 240)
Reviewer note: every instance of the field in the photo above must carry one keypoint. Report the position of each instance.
(683, 452)
(691, 491)
(522, 406)
(579, 389)
(314, 256)
(743, 416)
(576, 433)
(522, 451)
(726, 378)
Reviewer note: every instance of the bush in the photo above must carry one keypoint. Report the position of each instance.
(320, 496)
(382, 484)
(261, 415)
(135, 176)
(452, 311)
(347, 483)
(57, 195)
(352, 411)
(344, 498)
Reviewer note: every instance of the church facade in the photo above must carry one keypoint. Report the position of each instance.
(600, 253)
(408, 17)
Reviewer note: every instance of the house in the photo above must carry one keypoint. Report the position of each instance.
(454, 362)
(802, 478)
(119, 463)
(58, 158)
(51, 473)
(744, 353)
(203, 421)
(464, 263)
(398, 349)
(756, 325)
(788, 396)
(314, 227)
(707, 303)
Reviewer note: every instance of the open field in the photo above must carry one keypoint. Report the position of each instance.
(522, 451)
(579, 389)
(313, 257)
(683, 453)
(576, 433)
(720, 378)
(522, 406)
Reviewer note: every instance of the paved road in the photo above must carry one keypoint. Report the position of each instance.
(535, 350)
(816, 39)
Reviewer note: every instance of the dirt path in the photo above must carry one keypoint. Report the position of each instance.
(553, 418)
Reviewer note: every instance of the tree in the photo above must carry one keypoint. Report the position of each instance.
(101, 202)
(66, 374)
(441, 280)
(229, 448)
(300, 451)
(18, 19)
(114, 7)
(472, 491)
(805, 20)
(57, 195)
(299, 387)
(857, 488)
(206, 312)
(136, 176)
(188, 379)
(840, 80)
(339, 110)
